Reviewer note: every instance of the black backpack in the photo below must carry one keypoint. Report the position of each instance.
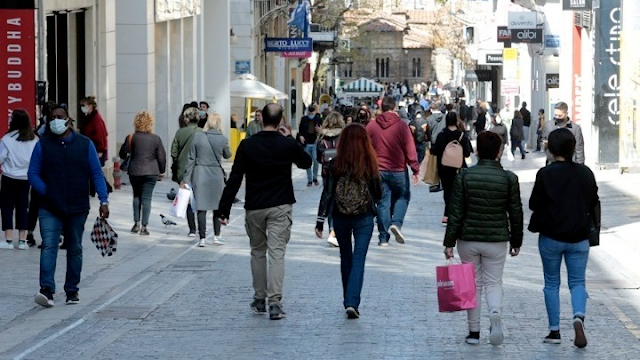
(329, 153)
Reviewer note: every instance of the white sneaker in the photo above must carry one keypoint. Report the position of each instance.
(395, 230)
(201, 243)
(218, 240)
(496, 335)
(333, 241)
(6, 245)
(22, 245)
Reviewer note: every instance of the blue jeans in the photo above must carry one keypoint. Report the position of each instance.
(394, 202)
(311, 150)
(575, 257)
(352, 260)
(51, 226)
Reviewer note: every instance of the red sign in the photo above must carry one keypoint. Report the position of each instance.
(576, 82)
(296, 54)
(306, 74)
(17, 63)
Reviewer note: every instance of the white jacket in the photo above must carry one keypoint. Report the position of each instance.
(15, 155)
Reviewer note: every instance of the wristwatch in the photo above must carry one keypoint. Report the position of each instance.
(104, 203)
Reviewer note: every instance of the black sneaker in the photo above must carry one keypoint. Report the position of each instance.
(259, 306)
(72, 298)
(144, 231)
(578, 326)
(135, 228)
(44, 298)
(276, 312)
(553, 337)
(31, 241)
(309, 184)
(315, 182)
(352, 313)
(473, 338)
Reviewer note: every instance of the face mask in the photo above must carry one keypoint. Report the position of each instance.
(203, 113)
(557, 119)
(85, 109)
(58, 126)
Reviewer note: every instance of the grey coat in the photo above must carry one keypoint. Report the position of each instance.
(204, 171)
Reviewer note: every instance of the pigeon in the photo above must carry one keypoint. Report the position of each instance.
(167, 222)
(171, 195)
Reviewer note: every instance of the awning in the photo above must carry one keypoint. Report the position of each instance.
(361, 86)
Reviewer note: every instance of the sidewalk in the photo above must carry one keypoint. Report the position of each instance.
(163, 297)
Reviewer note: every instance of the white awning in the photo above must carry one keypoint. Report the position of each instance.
(363, 86)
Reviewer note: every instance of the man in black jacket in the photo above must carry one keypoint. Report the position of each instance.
(307, 135)
(266, 160)
(526, 119)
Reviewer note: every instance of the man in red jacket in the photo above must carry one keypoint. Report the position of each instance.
(394, 145)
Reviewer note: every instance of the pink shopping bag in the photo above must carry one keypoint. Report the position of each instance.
(456, 287)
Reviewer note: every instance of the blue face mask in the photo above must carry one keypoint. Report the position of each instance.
(203, 113)
(58, 126)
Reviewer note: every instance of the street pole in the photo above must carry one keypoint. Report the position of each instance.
(42, 44)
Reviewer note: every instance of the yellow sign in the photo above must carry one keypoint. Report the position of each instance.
(509, 54)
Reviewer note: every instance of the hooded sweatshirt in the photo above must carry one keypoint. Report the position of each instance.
(15, 155)
(393, 143)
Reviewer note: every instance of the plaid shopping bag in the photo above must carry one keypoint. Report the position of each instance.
(104, 237)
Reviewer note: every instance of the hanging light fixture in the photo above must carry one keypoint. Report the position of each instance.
(232, 37)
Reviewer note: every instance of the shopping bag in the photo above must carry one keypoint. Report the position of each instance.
(430, 165)
(105, 238)
(456, 287)
(180, 203)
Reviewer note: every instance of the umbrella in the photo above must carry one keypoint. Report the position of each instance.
(248, 86)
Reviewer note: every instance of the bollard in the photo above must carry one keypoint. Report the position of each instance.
(117, 183)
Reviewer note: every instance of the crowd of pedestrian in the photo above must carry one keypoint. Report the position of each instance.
(367, 162)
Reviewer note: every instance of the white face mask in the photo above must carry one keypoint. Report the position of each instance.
(85, 109)
(58, 126)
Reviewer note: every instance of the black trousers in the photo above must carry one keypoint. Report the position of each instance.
(202, 224)
(34, 208)
(14, 195)
(447, 177)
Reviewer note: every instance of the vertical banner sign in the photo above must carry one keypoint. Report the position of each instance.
(630, 86)
(607, 81)
(17, 63)
(576, 80)
(298, 25)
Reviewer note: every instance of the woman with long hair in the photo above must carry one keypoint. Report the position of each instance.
(565, 207)
(350, 193)
(16, 148)
(327, 144)
(205, 174)
(148, 160)
(447, 173)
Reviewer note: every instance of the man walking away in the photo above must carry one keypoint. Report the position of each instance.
(307, 135)
(395, 148)
(266, 160)
(526, 119)
(62, 165)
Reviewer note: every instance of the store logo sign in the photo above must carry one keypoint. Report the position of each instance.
(526, 36)
(522, 20)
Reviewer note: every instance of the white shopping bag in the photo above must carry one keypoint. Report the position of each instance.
(180, 203)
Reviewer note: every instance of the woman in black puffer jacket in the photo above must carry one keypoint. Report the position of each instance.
(485, 213)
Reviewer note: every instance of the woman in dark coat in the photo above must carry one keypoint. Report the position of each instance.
(517, 133)
(565, 207)
(448, 174)
(148, 160)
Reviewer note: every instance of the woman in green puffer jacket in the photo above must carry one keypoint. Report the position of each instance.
(485, 214)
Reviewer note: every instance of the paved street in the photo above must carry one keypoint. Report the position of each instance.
(162, 297)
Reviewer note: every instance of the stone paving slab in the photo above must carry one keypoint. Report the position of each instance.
(198, 299)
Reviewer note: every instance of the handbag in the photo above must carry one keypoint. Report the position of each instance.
(124, 165)
(224, 173)
(594, 226)
(456, 284)
(430, 167)
(181, 202)
(104, 237)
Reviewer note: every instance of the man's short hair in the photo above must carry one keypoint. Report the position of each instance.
(204, 103)
(489, 144)
(272, 114)
(312, 108)
(562, 143)
(388, 103)
(562, 106)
